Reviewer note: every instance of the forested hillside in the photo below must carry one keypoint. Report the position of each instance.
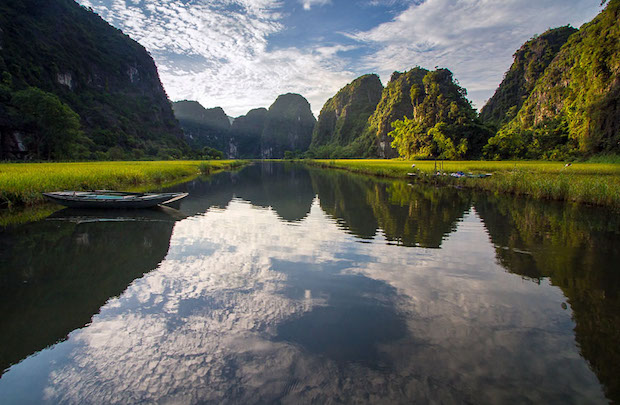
(441, 123)
(530, 62)
(246, 133)
(574, 108)
(72, 86)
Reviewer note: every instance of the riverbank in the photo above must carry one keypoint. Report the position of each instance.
(21, 184)
(586, 183)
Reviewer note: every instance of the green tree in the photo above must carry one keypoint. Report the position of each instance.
(52, 127)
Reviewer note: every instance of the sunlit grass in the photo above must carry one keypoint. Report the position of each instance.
(590, 183)
(22, 183)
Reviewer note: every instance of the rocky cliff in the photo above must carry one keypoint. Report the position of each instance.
(246, 133)
(530, 62)
(109, 80)
(574, 108)
(344, 116)
(288, 126)
(203, 127)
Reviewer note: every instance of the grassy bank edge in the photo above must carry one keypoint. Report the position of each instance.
(21, 184)
(583, 183)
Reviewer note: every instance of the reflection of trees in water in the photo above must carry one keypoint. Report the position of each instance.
(417, 216)
(343, 197)
(410, 216)
(56, 274)
(577, 248)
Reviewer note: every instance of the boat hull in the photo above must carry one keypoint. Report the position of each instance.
(116, 200)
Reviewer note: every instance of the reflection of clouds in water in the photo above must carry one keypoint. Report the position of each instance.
(200, 328)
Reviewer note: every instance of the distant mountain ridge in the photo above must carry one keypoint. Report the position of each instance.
(288, 126)
(203, 127)
(262, 133)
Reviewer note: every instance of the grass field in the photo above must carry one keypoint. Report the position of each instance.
(589, 183)
(21, 184)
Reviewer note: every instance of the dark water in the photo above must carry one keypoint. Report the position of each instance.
(281, 284)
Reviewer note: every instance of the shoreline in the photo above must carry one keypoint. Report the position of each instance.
(21, 184)
(593, 184)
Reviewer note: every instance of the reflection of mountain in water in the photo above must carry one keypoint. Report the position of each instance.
(284, 187)
(409, 216)
(57, 273)
(577, 248)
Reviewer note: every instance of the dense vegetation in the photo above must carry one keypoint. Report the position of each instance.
(73, 87)
(589, 183)
(58, 54)
(285, 130)
(559, 100)
(344, 117)
(443, 123)
(530, 62)
(574, 108)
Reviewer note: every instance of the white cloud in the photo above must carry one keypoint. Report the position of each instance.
(216, 52)
(474, 38)
(201, 327)
(308, 4)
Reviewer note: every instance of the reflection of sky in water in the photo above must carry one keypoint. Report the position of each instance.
(247, 308)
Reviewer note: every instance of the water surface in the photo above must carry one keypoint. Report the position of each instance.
(292, 285)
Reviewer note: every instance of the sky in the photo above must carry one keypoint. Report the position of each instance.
(242, 54)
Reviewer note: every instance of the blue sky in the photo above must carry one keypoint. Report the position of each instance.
(241, 54)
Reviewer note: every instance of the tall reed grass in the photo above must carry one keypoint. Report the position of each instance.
(22, 183)
(589, 183)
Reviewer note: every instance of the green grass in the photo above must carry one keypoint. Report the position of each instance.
(21, 184)
(589, 183)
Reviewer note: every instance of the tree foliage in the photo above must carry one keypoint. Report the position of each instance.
(443, 123)
(52, 126)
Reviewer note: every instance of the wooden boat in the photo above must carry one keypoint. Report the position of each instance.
(112, 199)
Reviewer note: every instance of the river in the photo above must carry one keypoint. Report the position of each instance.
(287, 284)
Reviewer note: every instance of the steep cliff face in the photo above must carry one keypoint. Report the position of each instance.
(574, 108)
(394, 105)
(108, 79)
(246, 133)
(344, 116)
(530, 62)
(288, 126)
(203, 127)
